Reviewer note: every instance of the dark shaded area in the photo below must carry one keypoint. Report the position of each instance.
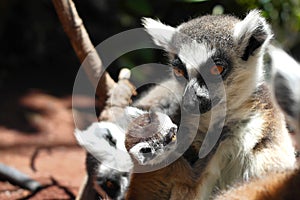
(35, 52)
(15, 115)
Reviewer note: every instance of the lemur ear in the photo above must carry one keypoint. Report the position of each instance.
(161, 34)
(251, 33)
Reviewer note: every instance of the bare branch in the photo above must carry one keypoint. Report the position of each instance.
(83, 47)
(113, 97)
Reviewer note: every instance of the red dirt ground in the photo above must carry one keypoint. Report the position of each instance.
(36, 137)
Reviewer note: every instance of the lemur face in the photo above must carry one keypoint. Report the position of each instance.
(213, 54)
(150, 138)
(112, 181)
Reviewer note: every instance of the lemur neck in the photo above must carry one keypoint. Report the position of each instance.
(223, 114)
(252, 105)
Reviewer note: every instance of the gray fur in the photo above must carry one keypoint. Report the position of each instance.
(255, 140)
(286, 91)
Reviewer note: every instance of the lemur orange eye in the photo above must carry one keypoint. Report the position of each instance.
(178, 72)
(109, 184)
(216, 70)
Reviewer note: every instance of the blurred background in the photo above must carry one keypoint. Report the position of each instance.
(34, 46)
(38, 68)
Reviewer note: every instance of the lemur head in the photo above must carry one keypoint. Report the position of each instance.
(112, 181)
(214, 50)
(151, 137)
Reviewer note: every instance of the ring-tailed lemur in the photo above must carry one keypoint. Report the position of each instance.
(108, 165)
(286, 88)
(150, 136)
(208, 54)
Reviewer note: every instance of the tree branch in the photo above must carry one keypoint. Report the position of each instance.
(83, 47)
(113, 97)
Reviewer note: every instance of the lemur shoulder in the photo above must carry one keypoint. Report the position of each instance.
(283, 184)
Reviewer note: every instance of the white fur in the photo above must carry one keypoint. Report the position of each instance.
(252, 128)
(288, 67)
(124, 74)
(135, 151)
(95, 143)
(161, 152)
(282, 61)
(133, 112)
(161, 34)
(124, 184)
(165, 123)
(158, 156)
(244, 29)
(104, 169)
(234, 161)
(194, 55)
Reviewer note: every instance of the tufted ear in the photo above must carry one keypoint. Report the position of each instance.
(161, 34)
(251, 33)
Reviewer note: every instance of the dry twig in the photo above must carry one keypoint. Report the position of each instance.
(83, 47)
(112, 97)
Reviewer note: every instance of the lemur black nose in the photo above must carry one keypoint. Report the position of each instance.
(196, 98)
(205, 104)
(171, 136)
(145, 150)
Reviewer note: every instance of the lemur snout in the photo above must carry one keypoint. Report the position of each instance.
(170, 137)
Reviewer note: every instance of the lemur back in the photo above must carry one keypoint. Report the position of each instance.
(217, 64)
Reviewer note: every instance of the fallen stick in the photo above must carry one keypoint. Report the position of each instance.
(18, 178)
